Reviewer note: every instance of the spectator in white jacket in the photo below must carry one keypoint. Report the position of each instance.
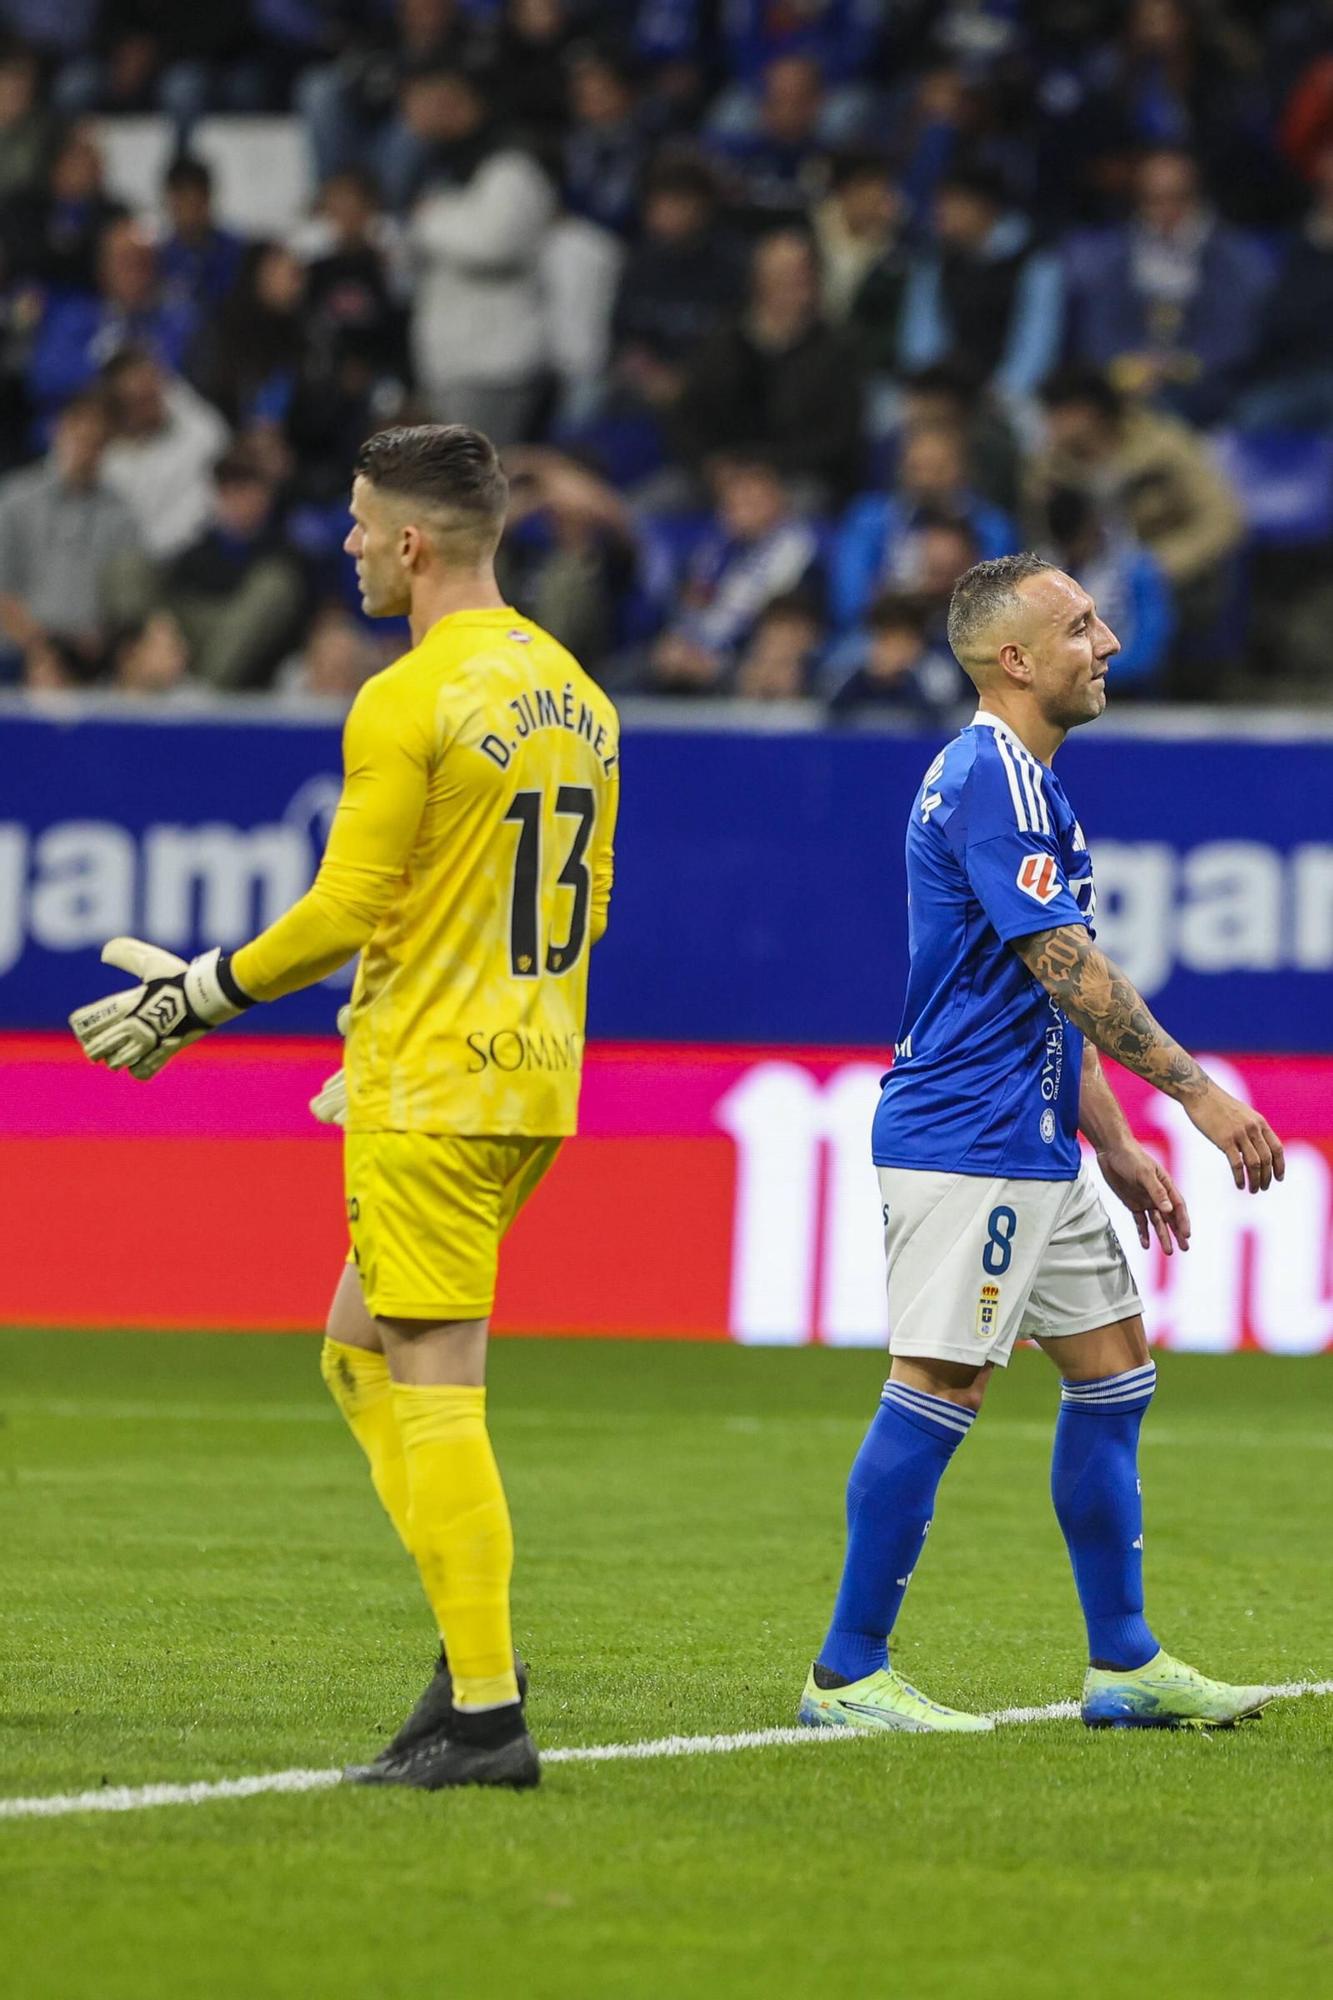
(479, 346)
(165, 441)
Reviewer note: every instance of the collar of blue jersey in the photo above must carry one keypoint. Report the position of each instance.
(983, 718)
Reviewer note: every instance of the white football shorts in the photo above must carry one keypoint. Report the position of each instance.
(976, 1264)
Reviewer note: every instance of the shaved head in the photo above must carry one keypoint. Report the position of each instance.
(1030, 639)
(985, 598)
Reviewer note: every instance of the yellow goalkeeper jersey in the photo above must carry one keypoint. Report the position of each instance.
(470, 862)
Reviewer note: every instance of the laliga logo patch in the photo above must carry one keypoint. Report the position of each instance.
(988, 1311)
(1039, 878)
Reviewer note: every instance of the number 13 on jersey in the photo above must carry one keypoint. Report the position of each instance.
(531, 953)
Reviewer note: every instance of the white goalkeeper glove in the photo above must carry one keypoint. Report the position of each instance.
(177, 1002)
(330, 1101)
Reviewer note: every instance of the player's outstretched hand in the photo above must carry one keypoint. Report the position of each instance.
(1253, 1149)
(1150, 1195)
(329, 1103)
(142, 1027)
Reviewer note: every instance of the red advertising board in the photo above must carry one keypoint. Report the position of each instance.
(714, 1193)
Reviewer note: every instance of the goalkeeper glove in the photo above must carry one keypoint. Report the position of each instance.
(143, 1027)
(330, 1103)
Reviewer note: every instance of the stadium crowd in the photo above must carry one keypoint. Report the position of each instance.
(786, 311)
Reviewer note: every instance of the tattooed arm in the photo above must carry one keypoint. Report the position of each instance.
(1097, 997)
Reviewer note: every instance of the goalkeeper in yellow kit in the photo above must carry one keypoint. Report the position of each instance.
(469, 863)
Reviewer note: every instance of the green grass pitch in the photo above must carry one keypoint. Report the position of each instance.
(196, 1584)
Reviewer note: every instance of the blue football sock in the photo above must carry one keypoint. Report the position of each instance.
(890, 1502)
(1095, 1487)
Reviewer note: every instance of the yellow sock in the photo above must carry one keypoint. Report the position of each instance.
(360, 1384)
(460, 1536)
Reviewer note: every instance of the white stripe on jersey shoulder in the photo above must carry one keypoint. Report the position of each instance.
(1023, 772)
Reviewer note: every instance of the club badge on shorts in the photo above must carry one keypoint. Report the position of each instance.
(988, 1312)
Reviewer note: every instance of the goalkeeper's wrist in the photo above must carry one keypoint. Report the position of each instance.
(211, 989)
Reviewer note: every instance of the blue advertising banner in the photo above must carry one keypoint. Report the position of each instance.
(761, 893)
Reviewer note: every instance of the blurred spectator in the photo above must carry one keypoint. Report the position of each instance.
(757, 549)
(1170, 303)
(477, 335)
(359, 110)
(859, 229)
(780, 160)
(51, 231)
(199, 261)
(949, 395)
(62, 534)
(152, 659)
(1124, 581)
(80, 332)
(356, 270)
(874, 546)
(680, 281)
(940, 548)
(838, 38)
(892, 665)
(160, 55)
(54, 28)
(779, 661)
(677, 50)
(27, 128)
(606, 146)
(840, 35)
(237, 591)
(20, 309)
(1188, 75)
(984, 294)
(1292, 374)
(578, 272)
(568, 549)
(335, 404)
(338, 655)
(779, 381)
(532, 43)
(249, 357)
(1151, 471)
(165, 440)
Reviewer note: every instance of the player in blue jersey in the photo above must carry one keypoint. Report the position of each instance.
(994, 1230)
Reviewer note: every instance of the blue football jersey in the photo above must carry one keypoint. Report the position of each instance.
(987, 1069)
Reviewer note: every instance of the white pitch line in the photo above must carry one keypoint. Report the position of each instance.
(132, 1798)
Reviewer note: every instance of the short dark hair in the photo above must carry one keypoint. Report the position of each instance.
(796, 603)
(974, 178)
(1068, 387)
(356, 176)
(688, 174)
(1070, 512)
(124, 361)
(188, 171)
(955, 378)
(450, 468)
(858, 163)
(981, 591)
(240, 466)
(947, 522)
(899, 611)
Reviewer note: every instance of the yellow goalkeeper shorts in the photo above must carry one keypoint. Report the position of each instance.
(427, 1213)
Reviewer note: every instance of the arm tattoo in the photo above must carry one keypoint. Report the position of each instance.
(1099, 999)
